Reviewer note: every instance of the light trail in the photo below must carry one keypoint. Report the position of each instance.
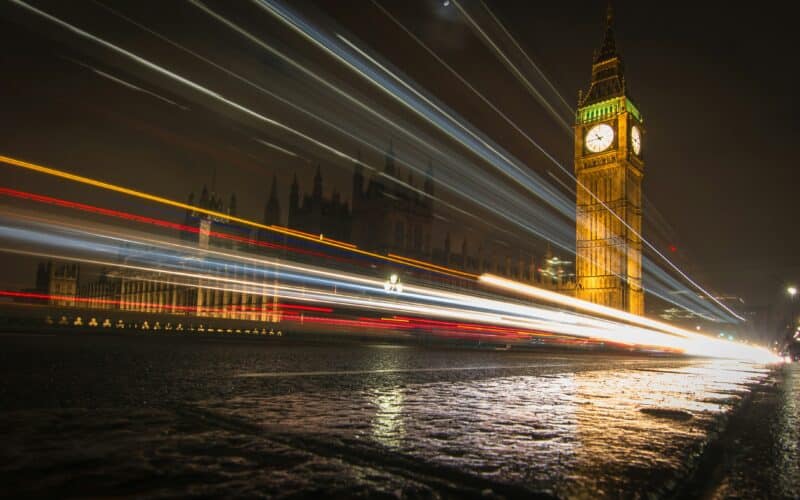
(155, 305)
(508, 317)
(455, 299)
(508, 215)
(180, 79)
(185, 206)
(301, 27)
(583, 305)
(417, 103)
(513, 68)
(466, 83)
(277, 148)
(620, 335)
(202, 90)
(543, 294)
(126, 84)
(541, 74)
(519, 221)
(699, 344)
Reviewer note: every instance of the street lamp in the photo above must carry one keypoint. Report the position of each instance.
(393, 285)
(792, 291)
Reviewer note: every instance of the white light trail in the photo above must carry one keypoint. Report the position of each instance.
(184, 81)
(513, 68)
(127, 84)
(276, 147)
(140, 255)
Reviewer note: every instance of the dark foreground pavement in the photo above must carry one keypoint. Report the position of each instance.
(758, 453)
(199, 416)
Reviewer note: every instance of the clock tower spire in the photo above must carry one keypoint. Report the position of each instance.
(609, 168)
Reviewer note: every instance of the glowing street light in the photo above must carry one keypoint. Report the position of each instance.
(393, 285)
(792, 291)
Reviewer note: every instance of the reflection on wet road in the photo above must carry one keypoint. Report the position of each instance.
(187, 415)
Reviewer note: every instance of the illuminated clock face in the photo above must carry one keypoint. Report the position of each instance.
(636, 140)
(599, 138)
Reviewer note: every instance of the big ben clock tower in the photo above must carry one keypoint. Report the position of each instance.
(609, 167)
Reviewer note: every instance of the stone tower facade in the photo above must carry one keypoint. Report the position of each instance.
(609, 166)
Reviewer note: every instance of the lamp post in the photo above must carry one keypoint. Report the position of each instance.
(393, 284)
(792, 291)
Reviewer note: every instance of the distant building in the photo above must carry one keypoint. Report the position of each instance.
(389, 217)
(156, 292)
(318, 215)
(59, 280)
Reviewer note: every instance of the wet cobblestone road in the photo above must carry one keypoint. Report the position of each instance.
(160, 416)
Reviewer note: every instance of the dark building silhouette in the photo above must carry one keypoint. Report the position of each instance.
(389, 217)
(317, 214)
(272, 210)
(199, 224)
(59, 280)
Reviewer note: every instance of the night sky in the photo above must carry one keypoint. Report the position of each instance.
(713, 81)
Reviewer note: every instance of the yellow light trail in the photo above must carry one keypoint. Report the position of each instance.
(185, 206)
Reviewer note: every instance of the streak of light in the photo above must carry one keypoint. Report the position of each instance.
(371, 284)
(699, 345)
(527, 58)
(277, 148)
(308, 113)
(583, 305)
(156, 305)
(356, 102)
(466, 83)
(466, 308)
(163, 223)
(623, 335)
(447, 298)
(513, 68)
(185, 206)
(326, 277)
(451, 126)
(129, 85)
(182, 80)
